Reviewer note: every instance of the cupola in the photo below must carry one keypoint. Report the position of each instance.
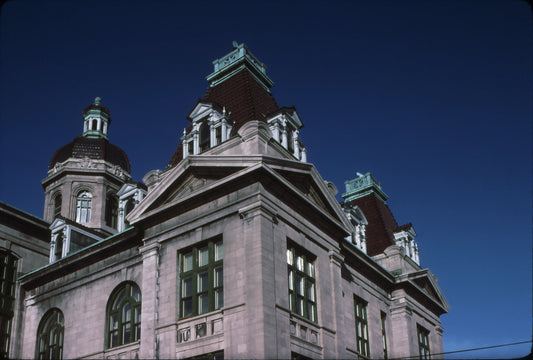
(363, 185)
(96, 120)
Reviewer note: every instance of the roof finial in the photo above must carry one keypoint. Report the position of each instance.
(97, 101)
(235, 44)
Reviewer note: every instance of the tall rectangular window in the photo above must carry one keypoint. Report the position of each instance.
(201, 278)
(384, 334)
(361, 326)
(8, 275)
(302, 292)
(423, 342)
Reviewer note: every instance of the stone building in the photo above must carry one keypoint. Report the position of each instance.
(239, 249)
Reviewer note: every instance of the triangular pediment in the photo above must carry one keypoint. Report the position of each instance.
(201, 110)
(426, 282)
(306, 184)
(201, 174)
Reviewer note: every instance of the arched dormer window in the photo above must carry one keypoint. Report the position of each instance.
(205, 136)
(124, 315)
(50, 336)
(111, 211)
(83, 207)
(58, 201)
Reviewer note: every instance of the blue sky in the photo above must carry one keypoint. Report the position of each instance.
(433, 97)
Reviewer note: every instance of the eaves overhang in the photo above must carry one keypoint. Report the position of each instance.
(367, 266)
(24, 222)
(91, 254)
(82, 171)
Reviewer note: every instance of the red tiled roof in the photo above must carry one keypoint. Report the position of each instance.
(244, 99)
(381, 223)
(98, 148)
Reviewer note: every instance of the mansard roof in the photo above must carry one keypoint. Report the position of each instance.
(240, 86)
(381, 223)
(243, 97)
(92, 148)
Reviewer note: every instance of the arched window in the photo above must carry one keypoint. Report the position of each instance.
(50, 336)
(205, 136)
(124, 315)
(95, 124)
(58, 201)
(83, 207)
(111, 211)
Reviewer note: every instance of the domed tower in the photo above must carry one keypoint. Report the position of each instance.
(85, 176)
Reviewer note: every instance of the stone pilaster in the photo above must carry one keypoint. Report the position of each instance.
(150, 301)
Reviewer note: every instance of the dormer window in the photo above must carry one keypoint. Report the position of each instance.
(68, 237)
(111, 211)
(405, 238)
(210, 128)
(129, 196)
(285, 126)
(204, 136)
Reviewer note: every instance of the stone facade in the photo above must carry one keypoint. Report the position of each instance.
(247, 220)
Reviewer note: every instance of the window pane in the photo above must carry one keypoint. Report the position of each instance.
(219, 277)
(186, 308)
(186, 287)
(203, 284)
(203, 256)
(187, 262)
(126, 312)
(300, 263)
(219, 299)
(291, 281)
(311, 270)
(310, 291)
(126, 333)
(113, 323)
(290, 258)
(137, 315)
(136, 293)
(219, 251)
(203, 303)
(299, 284)
(300, 306)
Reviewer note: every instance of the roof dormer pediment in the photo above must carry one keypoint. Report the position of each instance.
(425, 282)
(203, 109)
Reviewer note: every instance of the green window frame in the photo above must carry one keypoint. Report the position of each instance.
(302, 282)
(8, 277)
(423, 342)
(50, 336)
(124, 315)
(361, 326)
(201, 278)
